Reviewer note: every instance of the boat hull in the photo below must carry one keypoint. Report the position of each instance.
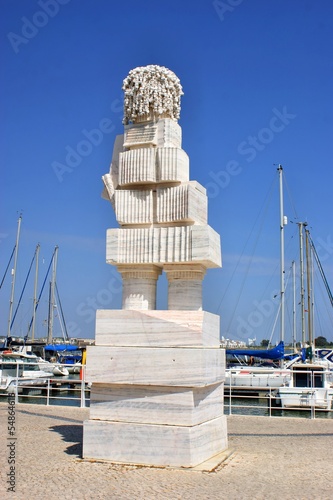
(256, 378)
(293, 397)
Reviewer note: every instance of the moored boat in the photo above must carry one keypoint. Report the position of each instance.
(309, 386)
(36, 364)
(16, 374)
(67, 355)
(256, 377)
(29, 363)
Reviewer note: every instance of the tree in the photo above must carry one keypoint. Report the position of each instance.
(264, 343)
(321, 342)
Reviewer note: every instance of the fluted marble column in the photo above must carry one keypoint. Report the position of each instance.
(185, 286)
(139, 286)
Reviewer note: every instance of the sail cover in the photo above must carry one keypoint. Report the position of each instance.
(276, 352)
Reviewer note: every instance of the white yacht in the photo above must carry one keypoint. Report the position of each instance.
(309, 386)
(16, 372)
(256, 377)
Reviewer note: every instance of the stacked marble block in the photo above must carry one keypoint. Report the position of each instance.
(157, 376)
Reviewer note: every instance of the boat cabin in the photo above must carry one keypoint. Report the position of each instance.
(308, 375)
(10, 368)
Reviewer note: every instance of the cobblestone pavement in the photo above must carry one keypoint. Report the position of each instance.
(275, 458)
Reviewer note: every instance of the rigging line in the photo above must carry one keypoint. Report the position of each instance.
(324, 302)
(290, 198)
(40, 294)
(321, 270)
(278, 311)
(274, 273)
(246, 242)
(250, 261)
(62, 312)
(287, 290)
(4, 276)
(274, 325)
(23, 289)
(316, 316)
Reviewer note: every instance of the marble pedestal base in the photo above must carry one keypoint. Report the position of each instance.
(157, 388)
(157, 405)
(159, 445)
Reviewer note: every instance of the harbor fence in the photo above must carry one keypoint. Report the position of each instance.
(266, 404)
(73, 390)
(68, 390)
(301, 391)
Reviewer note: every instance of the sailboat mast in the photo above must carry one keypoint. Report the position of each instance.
(52, 296)
(11, 302)
(283, 222)
(282, 271)
(294, 304)
(300, 226)
(309, 289)
(35, 294)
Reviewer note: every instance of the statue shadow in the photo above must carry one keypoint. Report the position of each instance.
(71, 434)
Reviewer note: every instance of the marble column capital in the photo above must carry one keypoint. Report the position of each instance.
(130, 272)
(184, 271)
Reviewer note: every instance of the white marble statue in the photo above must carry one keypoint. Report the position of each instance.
(161, 213)
(157, 376)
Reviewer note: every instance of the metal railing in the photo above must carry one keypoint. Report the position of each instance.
(71, 390)
(313, 399)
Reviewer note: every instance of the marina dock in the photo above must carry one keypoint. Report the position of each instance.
(271, 458)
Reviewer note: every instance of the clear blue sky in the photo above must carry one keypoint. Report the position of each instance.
(257, 79)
